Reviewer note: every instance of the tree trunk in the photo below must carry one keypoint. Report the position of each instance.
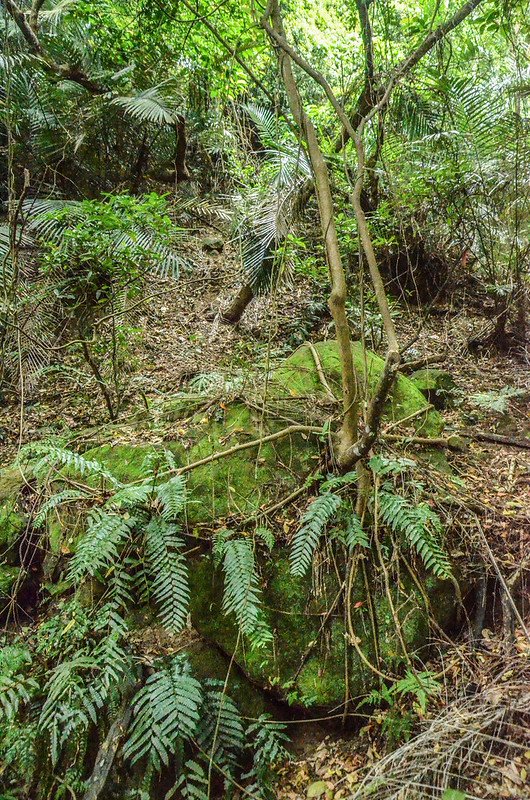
(181, 170)
(238, 306)
(337, 298)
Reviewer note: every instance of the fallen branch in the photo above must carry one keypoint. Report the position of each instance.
(419, 363)
(495, 438)
(292, 429)
(451, 442)
(107, 751)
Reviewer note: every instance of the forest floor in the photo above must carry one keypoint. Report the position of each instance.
(181, 339)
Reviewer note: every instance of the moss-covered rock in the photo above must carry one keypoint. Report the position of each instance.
(436, 385)
(298, 378)
(249, 479)
(306, 664)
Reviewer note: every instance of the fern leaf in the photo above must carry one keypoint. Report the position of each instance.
(146, 106)
(354, 534)
(420, 526)
(241, 591)
(172, 496)
(66, 496)
(317, 515)
(221, 734)
(165, 710)
(170, 573)
(99, 547)
(131, 496)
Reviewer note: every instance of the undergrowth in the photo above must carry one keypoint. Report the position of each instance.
(66, 681)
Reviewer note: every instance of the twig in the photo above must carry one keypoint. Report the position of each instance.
(415, 414)
(321, 375)
(292, 429)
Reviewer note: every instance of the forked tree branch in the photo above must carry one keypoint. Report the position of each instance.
(28, 27)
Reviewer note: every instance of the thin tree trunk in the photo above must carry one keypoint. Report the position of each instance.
(239, 305)
(181, 170)
(337, 298)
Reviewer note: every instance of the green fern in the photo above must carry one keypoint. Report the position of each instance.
(170, 573)
(266, 741)
(354, 533)
(131, 496)
(66, 496)
(317, 515)
(99, 547)
(172, 497)
(241, 592)
(50, 456)
(15, 690)
(420, 526)
(221, 735)
(193, 782)
(166, 710)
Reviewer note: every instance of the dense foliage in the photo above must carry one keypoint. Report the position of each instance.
(376, 153)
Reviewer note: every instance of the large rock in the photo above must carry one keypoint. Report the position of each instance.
(244, 482)
(310, 657)
(308, 662)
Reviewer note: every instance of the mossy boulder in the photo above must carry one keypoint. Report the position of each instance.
(249, 479)
(436, 385)
(306, 664)
(298, 378)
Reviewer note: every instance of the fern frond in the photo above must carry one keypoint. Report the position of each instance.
(170, 573)
(15, 690)
(420, 526)
(51, 456)
(266, 740)
(165, 710)
(59, 499)
(241, 591)
(146, 106)
(99, 547)
(354, 534)
(193, 783)
(172, 497)
(131, 496)
(317, 515)
(220, 734)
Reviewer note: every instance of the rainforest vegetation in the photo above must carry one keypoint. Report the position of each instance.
(264, 431)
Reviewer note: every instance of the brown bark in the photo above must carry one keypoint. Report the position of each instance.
(337, 298)
(181, 170)
(239, 305)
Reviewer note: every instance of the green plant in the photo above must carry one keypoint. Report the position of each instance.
(316, 517)
(498, 401)
(421, 527)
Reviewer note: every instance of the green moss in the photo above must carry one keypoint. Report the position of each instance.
(208, 662)
(298, 377)
(8, 578)
(436, 385)
(12, 521)
(295, 616)
(239, 484)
